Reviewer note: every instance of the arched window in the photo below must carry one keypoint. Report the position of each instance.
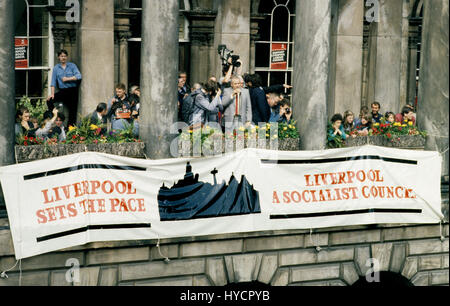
(275, 49)
(33, 48)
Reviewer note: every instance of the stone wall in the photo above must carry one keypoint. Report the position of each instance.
(276, 258)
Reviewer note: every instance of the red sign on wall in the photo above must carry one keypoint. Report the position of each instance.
(278, 56)
(21, 48)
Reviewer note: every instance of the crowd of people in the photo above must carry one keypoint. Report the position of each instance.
(119, 113)
(347, 125)
(233, 101)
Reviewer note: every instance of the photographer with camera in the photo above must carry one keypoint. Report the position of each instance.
(206, 107)
(284, 113)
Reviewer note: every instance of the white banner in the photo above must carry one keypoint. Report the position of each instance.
(88, 197)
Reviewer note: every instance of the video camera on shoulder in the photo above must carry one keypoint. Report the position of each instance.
(226, 54)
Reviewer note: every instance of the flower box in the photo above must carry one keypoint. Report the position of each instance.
(32, 153)
(412, 142)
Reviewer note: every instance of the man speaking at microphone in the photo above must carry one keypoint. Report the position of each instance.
(237, 106)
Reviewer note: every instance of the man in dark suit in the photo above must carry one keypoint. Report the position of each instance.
(260, 107)
(99, 117)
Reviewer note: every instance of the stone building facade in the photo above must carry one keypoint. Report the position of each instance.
(413, 255)
(366, 51)
(338, 59)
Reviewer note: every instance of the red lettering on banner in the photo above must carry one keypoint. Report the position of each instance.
(42, 219)
(111, 187)
(308, 196)
(72, 209)
(286, 197)
(66, 191)
(46, 199)
(101, 205)
(95, 186)
(77, 187)
(141, 205)
(307, 200)
(275, 199)
(131, 190)
(351, 176)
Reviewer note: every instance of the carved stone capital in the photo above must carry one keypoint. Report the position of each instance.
(122, 37)
(72, 36)
(201, 38)
(59, 35)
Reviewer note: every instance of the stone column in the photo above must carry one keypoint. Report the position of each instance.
(254, 36)
(345, 81)
(199, 57)
(123, 37)
(388, 55)
(365, 68)
(96, 49)
(203, 55)
(233, 30)
(159, 73)
(432, 114)
(7, 81)
(404, 55)
(412, 63)
(311, 71)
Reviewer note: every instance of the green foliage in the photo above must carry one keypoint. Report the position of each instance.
(36, 109)
(286, 130)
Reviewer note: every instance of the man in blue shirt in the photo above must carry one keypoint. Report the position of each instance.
(66, 78)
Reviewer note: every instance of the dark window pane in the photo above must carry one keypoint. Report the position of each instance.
(264, 77)
(37, 2)
(291, 55)
(136, 26)
(280, 24)
(277, 78)
(264, 29)
(134, 62)
(291, 6)
(37, 82)
(135, 3)
(20, 17)
(38, 21)
(21, 83)
(38, 48)
(266, 6)
(262, 55)
(292, 31)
